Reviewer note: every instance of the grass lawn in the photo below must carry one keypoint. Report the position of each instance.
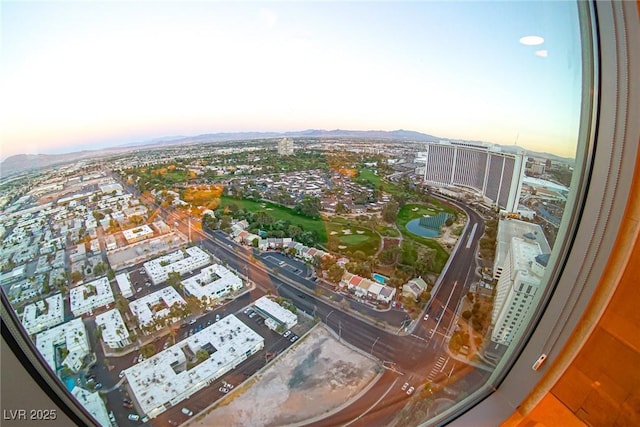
(387, 187)
(354, 239)
(280, 212)
(366, 241)
(387, 231)
(407, 213)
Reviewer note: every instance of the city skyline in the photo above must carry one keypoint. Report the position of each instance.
(78, 76)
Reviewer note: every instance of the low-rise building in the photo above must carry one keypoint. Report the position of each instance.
(274, 311)
(88, 297)
(124, 285)
(93, 403)
(156, 305)
(414, 287)
(114, 332)
(366, 288)
(43, 314)
(213, 282)
(158, 269)
(137, 234)
(174, 374)
(65, 345)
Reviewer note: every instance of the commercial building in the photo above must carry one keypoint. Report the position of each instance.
(174, 374)
(523, 261)
(114, 332)
(213, 282)
(155, 306)
(137, 234)
(158, 269)
(508, 228)
(275, 312)
(43, 314)
(86, 298)
(496, 176)
(65, 345)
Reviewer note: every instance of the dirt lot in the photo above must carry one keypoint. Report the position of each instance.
(313, 378)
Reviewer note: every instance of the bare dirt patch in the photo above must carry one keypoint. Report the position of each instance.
(315, 377)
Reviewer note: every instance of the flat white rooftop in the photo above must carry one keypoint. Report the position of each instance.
(155, 305)
(45, 314)
(159, 268)
(124, 284)
(163, 380)
(85, 298)
(213, 282)
(71, 335)
(113, 328)
(276, 311)
(93, 403)
(135, 234)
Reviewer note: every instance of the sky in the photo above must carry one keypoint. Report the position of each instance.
(79, 75)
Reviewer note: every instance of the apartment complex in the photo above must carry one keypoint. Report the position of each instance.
(494, 174)
(285, 147)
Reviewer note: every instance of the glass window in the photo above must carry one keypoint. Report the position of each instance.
(372, 184)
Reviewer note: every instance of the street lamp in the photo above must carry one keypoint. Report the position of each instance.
(374, 343)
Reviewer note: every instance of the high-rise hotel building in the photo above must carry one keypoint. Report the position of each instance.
(522, 254)
(494, 174)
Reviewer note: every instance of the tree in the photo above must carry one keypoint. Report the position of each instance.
(335, 273)
(202, 355)
(76, 276)
(174, 279)
(390, 212)
(100, 268)
(309, 206)
(148, 350)
(341, 208)
(122, 304)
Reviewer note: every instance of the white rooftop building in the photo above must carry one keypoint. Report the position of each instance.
(214, 282)
(71, 336)
(164, 380)
(93, 403)
(86, 298)
(124, 284)
(114, 332)
(276, 312)
(508, 229)
(133, 235)
(43, 314)
(158, 269)
(156, 305)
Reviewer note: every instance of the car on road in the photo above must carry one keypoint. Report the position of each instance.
(286, 334)
(301, 296)
(293, 338)
(187, 411)
(192, 321)
(134, 417)
(404, 386)
(426, 317)
(98, 386)
(121, 374)
(410, 391)
(127, 405)
(139, 290)
(223, 390)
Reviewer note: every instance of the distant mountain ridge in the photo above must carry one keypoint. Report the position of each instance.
(24, 162)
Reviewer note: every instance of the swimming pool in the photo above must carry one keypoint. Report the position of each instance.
(379, 278)
(415, 227)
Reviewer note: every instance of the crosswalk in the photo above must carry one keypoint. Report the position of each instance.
(438, 367)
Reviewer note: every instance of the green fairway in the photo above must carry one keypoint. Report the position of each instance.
(280, 212)
(354, 239)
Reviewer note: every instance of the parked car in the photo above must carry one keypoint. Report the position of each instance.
(410, 391)
(227, 385)
(166, 345)
(293, 338)
(426, 317)
(286, 334)
(187, 411)
(252, 315)
(127, 405)
(247, 310)
(121, 374)
(404, 386)
(224, 390)
(192, 321)
(217, 317)
(98, 386)
(134, 417)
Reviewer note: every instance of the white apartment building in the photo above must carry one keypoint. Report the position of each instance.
(86, 298)
(114, 332)
(133, 235)
(158, 269)
(71, 336)
(495, 175)
(163, 380)
(272, 310)
(156, 305)
(124, 285)
(93, 403)
(518, 290)
(43, 314)
(213, 282)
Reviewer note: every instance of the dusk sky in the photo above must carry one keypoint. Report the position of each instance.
(78, 75)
